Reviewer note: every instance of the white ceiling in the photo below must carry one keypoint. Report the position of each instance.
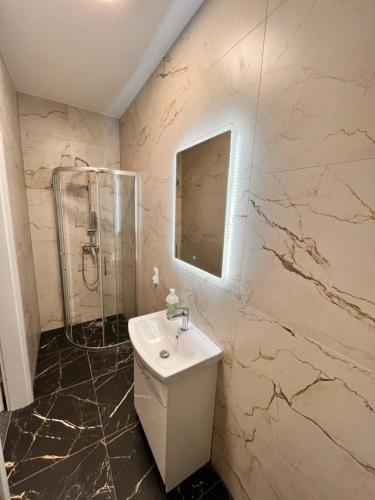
(95, 54)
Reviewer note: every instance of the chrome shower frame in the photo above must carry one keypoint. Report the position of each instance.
(61, 245)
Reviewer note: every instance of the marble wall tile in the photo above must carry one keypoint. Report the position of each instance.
(53, 134)
(9, 126)
(149, 141)
(211, 310)
(310, 234)
(151, 132)
(41, 153)
(93, 128)
(43, 117)
(254, 470)
(295, 315)
(214, 31)
(317, 96)
(290, 394)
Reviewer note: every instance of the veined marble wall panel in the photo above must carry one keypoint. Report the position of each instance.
(310, 243)
(300, 413)
(295, 316)
(154, 128)
(9, 125)
(317, 97)
(178, 105)
(53, 134)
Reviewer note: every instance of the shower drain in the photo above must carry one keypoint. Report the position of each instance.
(164, 354)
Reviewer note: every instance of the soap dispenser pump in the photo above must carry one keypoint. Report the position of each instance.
(172, 302)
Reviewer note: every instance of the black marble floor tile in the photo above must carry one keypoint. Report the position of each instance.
(83, 476)
(117, 331)
(61, 369)
(197, 485)
(217, 492)
(115, 396)
(111, 360)
(53, 340)
(135, 474)
(90, 334)
(54, 447)
(4, 422)
(51, 429)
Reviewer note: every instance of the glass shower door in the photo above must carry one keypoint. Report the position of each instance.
(117, 243)
(126, 224)
(107, 218)
(76, 206)
(96, 224)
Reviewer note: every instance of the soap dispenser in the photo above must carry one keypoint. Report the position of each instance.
(172, 302)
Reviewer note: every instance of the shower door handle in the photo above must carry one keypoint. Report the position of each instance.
(105, 266)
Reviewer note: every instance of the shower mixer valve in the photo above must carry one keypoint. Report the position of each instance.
(93, 249)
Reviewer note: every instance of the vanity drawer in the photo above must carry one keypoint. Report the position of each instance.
(150, 400)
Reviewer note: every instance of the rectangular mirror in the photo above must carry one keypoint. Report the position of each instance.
(201, 195)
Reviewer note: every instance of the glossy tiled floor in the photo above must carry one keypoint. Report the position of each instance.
(81, 438)
(90, 334)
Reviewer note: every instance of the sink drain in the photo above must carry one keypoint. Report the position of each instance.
(164, 354)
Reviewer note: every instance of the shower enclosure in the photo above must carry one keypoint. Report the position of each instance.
(95, 211)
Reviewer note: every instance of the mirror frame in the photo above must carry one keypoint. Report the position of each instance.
(230, 200)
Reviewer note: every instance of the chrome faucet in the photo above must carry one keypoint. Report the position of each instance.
(181, 312)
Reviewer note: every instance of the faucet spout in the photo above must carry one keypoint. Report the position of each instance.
(181, 312)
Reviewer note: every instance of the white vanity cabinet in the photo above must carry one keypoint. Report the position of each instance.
(177, 418)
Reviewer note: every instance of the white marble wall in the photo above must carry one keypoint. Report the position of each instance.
(9, 126)
(295, 313)
(53, 134)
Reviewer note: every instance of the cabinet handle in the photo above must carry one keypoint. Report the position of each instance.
(149, 383)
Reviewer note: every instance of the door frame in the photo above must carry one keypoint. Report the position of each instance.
(4, 486)
(14, 357)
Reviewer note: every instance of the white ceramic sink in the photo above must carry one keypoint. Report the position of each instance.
(188, 350)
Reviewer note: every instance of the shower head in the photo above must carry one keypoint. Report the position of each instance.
(77, 159)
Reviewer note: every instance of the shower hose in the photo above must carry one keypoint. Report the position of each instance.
(94, 284)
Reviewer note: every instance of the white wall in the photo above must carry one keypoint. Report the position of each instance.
(16, 371)
(9, 125)
(4, 488)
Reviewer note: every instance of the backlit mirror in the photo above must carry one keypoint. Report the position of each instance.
(201, 195)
